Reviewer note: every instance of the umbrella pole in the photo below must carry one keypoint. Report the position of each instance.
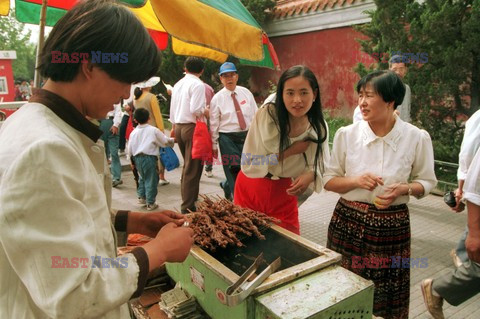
(43, 15)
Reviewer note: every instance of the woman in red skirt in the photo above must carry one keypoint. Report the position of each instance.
(376, 164)
(285, 149)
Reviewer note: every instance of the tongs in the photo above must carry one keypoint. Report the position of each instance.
(240, 290)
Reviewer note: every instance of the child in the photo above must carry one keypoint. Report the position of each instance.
(143, 147)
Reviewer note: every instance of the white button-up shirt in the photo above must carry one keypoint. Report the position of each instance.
(147, 139)
(404, 154)
(223, 115)
(188, 100)
(117, 115)
(470, 145)
(471, 188)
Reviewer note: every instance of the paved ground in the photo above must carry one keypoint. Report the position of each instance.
(435, 230)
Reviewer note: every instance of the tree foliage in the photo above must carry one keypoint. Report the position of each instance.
(445, 89)
(14, 38)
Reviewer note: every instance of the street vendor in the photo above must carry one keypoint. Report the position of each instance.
(285, 150)
(58, 251)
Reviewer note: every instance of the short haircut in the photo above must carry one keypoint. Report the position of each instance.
(385, 83)
(396, 59)
(101, 25)
(141, 115)
(194, 64)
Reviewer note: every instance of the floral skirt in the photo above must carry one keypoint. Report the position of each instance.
(375, 244)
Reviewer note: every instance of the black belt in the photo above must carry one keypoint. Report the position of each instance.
(110, 117)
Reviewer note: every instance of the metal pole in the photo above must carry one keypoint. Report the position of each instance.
(43, 16)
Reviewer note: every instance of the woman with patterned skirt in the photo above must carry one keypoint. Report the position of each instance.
(376, 164)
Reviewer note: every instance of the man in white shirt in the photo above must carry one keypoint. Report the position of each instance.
(397, 65)
(111, 138)
(470, 145)
(462, 284)
(188, 104)
(231, 112)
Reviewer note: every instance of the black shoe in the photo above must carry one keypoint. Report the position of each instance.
(226, 190)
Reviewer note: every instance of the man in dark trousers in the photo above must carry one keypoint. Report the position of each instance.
(231, 112)
(188, 104)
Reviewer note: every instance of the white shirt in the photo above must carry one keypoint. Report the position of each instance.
(117, 115)
(405, 154)
(223, 116)
(405, 107)
(188, 100)
(471, 188)
(60, 208)
(263, 143)
(147, 139)
(470, 145)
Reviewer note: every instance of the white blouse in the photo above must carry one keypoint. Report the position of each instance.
(470, 144)
(403, 155)
(263, 143)
(471, 188)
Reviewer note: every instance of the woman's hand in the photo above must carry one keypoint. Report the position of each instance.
(297, 147)
(300, 184)
(390, 194)
(368, 181)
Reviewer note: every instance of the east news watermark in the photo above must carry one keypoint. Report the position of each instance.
(86, 262)
(92, 56)
(245, 159)
(384, 57)
(359, 262)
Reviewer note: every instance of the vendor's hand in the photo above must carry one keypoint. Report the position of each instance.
(300, 184)
(149, 224)
(114, 130)
(460, 206)
(172, 244)
(368, 181)
(215, 153)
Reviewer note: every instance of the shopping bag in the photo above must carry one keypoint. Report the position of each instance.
(169, 158)
(202, 142)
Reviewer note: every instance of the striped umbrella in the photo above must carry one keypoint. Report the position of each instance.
(206, 28)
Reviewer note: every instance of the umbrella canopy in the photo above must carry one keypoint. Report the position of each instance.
(205, 28)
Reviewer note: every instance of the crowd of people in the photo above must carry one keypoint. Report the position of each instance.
(271, 157)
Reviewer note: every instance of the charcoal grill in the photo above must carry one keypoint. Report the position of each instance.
(308, 283)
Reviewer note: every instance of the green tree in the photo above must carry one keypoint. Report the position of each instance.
(445, 89)
(13, 37)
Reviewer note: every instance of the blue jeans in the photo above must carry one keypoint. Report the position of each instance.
(111, 148)
(147, 168)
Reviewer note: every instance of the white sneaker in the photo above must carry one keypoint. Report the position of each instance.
(142, 201)
(163, 182)
(152, 206)
(209, 174)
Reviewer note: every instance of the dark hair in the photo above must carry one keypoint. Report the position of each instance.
(141, 115)
(194, 64)
(315, 115)
(137, 93)
(101, 25)
(385, 83)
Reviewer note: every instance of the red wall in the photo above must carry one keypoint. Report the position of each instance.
(6, 70)
(330, 54)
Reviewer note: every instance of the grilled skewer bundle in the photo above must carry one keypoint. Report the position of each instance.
(220, 223)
